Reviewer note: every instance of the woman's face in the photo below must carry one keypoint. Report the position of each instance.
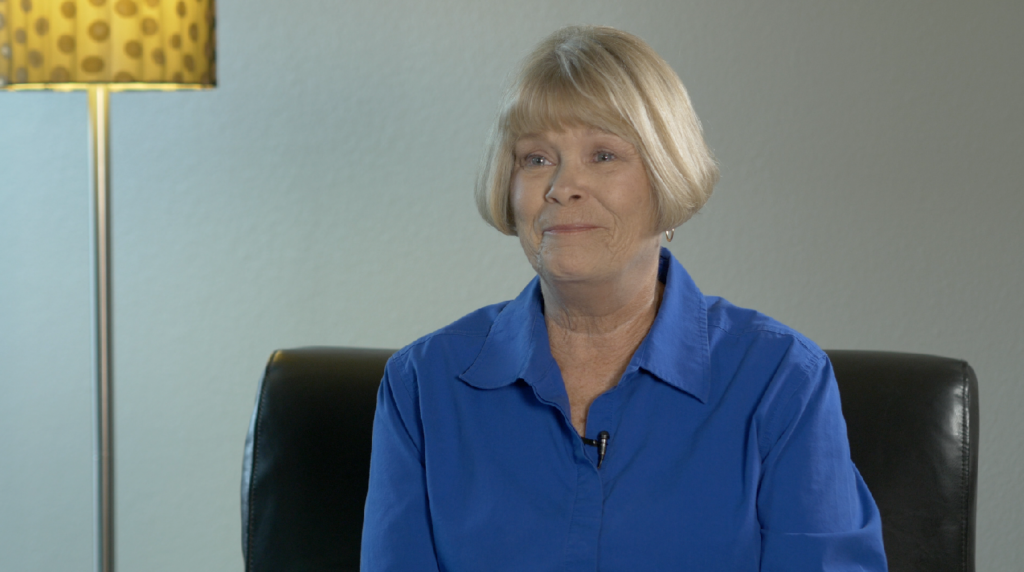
(582, 205)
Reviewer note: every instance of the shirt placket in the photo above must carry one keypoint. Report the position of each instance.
(588, 511)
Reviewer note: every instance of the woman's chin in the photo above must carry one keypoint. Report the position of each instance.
(569, 263)
(575, 269)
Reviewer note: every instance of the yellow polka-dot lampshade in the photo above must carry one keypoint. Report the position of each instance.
(127, 44)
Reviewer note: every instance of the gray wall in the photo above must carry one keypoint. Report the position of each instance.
(871, 156)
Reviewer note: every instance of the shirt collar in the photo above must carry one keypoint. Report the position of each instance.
(516, 346)
(675, 351)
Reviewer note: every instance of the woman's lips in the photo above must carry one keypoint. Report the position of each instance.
(568, 228)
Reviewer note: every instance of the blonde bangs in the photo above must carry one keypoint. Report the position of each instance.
(556, 101)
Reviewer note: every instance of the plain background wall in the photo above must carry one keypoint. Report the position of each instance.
(871, 156)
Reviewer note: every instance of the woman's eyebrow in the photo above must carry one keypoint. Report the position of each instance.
(531, 137)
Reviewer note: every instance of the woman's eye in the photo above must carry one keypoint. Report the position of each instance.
(603, 156)
(534, 161)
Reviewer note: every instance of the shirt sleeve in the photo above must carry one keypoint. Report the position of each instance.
(397, 532)
(815, 511)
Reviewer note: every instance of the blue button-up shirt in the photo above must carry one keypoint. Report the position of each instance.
(727, 451)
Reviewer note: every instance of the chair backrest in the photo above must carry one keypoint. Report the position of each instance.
(307, 459)
(912, 422)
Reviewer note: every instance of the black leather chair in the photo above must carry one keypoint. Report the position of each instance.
(912, 421)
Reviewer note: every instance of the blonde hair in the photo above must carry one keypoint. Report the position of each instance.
(611, 80)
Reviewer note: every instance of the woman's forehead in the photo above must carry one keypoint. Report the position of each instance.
(581, 129)
(547, 134)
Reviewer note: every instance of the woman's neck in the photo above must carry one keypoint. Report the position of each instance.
(609, 311)
(594, 330)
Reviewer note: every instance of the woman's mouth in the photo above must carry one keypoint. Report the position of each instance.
(568, 228)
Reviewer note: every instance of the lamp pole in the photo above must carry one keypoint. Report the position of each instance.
(103, 448)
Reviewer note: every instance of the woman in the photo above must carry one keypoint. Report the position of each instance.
(611, 417)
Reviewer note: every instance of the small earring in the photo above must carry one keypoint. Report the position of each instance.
(669, 234)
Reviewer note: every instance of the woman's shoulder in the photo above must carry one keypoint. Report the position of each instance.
(735, 329)
(459, 340)
(732, 332)
(786, 373)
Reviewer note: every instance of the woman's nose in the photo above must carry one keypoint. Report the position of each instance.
(566, 186)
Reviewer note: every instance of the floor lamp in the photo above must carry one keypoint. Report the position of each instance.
(102, 46)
